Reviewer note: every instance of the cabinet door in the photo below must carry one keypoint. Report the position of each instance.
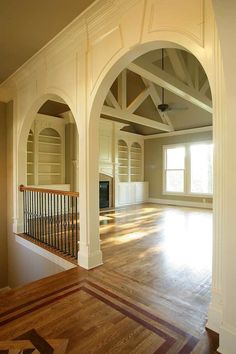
(141, 192)
(123, 193)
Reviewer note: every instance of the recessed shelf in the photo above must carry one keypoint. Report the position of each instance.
(49, 174)
(47, 159)
(50, 163)
(123, 161)
(50, 153)
(49, 143)
(135, 163)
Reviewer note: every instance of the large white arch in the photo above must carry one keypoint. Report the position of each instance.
(106, 78)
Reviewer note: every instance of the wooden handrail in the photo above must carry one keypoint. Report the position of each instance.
(23, 188)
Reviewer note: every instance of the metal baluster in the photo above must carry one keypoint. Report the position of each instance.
(76, 227)
(37, 219)
(64, 246)
(26, 212)
(72, 226)
(30, 214)
(45, 217)
(51, 220)
(24, 209)
(52, 214)
(40, 217)
(34, 205)
(48, 218)
(28, 206)
(68, 225)
(58, 246)
(61, 247)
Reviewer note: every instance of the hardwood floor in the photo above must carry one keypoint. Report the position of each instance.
(150, 296)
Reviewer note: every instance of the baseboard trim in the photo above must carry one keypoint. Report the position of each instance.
(180, 203)
(90, 261)
(44, 253)
(227, 339)
(5, 289)
(214, 318)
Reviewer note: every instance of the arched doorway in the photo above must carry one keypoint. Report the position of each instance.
(99, 95)
(48, 149)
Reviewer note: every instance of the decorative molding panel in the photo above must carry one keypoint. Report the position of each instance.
(185, 17)
(102, 51)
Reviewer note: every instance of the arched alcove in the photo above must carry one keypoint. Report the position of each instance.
(123, 161)
(48, 151)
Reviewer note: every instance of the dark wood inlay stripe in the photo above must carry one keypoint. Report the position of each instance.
(141, 310)
(191, 340)
(169, 341)
(37, 307)
(189, 346)
(26, 304)
(125, 312)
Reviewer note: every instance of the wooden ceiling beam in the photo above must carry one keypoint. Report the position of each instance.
(170, 83)
(138, 100)
(134, 118)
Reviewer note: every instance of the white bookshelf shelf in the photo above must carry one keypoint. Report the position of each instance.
(123, 156)
(45, 154)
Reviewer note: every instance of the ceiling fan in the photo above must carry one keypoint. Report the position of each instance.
(165, 107)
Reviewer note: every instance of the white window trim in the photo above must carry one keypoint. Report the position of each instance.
(187, 170)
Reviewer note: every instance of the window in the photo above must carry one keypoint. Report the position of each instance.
(188, 169)
(175, 165)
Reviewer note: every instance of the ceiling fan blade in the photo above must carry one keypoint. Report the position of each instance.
(174, 107)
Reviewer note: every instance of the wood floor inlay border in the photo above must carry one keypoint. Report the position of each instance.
(116, 302)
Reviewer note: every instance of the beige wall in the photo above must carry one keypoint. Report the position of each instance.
(26, 266)
(3, 197)
(153, 163)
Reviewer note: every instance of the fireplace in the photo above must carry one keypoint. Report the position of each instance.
(104, 194)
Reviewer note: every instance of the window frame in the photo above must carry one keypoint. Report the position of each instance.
(187, 170)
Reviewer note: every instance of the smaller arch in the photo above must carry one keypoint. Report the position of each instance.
(123, 161)
(50, 132)
(136, 162)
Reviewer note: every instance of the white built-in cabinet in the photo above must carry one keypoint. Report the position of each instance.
(136, 162)
(131, 187)
(46, 151)
(130, 159)
(121, 159)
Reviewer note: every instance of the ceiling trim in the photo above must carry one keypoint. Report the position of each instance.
(180, 132)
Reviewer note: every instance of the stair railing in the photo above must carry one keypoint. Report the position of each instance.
(52, 217)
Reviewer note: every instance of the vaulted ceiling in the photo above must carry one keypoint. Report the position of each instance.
(136, 93)
(27, 25)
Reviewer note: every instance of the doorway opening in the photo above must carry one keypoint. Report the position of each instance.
(156, 141)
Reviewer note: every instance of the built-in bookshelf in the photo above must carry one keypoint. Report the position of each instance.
(30, 158)
(50, 157)
(123, 161)
(135, 163)
(46, 151)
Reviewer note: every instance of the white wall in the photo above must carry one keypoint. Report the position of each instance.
(226, 24)
(3, 196)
